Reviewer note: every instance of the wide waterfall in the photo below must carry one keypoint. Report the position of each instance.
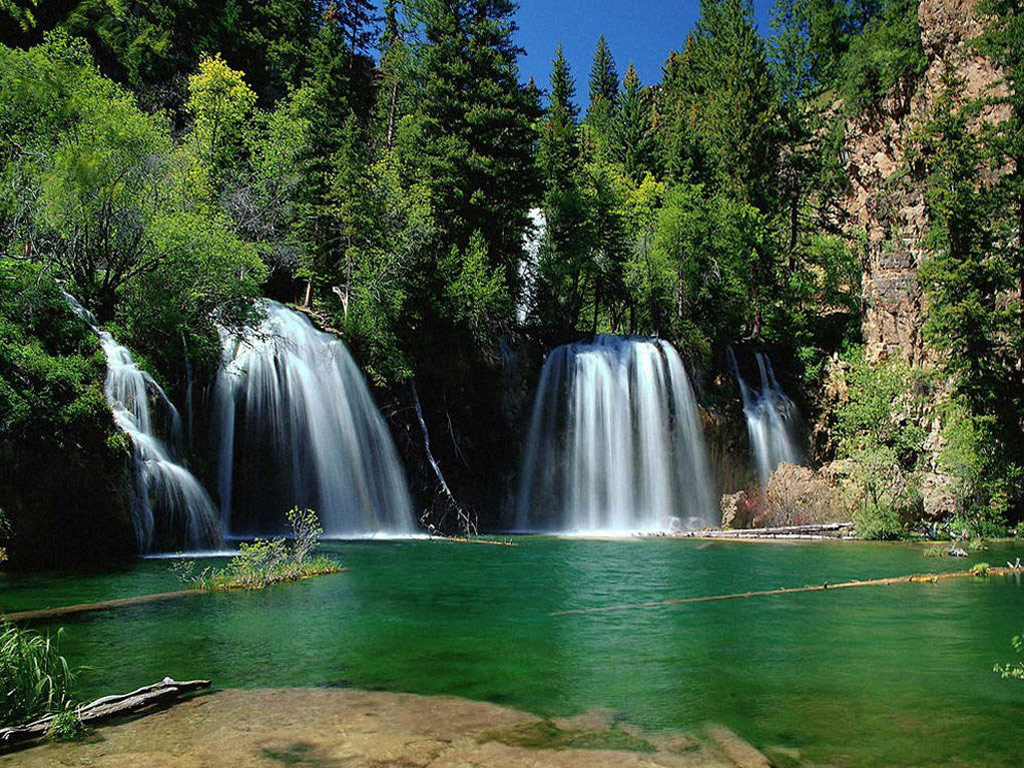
(772, 420)
(295, 424)
(171, 510)
(615, 442)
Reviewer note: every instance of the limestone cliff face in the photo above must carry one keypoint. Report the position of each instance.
(887, 206)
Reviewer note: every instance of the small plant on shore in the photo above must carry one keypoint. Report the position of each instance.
(34, 678)
(66, 726)
(267, 561)
(1015, 669)
(980, 569)
(936, 552)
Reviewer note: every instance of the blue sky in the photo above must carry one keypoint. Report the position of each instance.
(643, 31)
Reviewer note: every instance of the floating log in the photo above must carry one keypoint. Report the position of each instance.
(107, 707)
(466, 540)
(67, 610)
(916, 578)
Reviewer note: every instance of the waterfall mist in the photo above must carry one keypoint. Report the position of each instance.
(615, 442)
(171, 509)
(295, 424)
(772, 420)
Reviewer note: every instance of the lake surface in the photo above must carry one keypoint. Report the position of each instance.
(878, 676)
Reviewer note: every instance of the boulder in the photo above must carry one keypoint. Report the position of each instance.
(800, 496)
(735, 510)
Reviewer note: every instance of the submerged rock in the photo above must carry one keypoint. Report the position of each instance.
(332, 727)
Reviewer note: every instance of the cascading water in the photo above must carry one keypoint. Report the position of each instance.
(295, 424)
(772, 420)
(171, 508)
(615, 442)
(532, 240)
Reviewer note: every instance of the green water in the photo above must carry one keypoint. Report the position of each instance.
(880, 676)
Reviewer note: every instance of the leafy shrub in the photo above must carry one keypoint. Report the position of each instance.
(879, 523)
(34, 678)
(1013, 670)
(266, 561)
(65, 726)
(980, 569)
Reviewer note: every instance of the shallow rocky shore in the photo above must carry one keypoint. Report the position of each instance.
(334, 728)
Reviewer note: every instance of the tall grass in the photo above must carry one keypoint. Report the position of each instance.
(34, 678)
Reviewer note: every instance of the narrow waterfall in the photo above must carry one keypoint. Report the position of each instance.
(615, 442)
(772, 420)
(295, 424)
(532, 240)
(171, 510)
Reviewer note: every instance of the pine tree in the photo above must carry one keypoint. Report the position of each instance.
(968, 277)
(1003, 43)
(632, 138)
(720, 106)
(604, 88)
(473, 125)
(559, 145)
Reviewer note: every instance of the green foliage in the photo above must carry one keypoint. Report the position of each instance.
(51, 368)
(887, 54)
(875, 523)
(34, 678)
(880, 438)
(718, 108)
(558, 149)
(263, 562)
(631, 140)
(881, 409)
(470, 136)
(474, 291)
(65, 726)
(980, 569)
(219, 103)
(1013, 670)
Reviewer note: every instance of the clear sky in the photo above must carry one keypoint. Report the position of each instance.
(643, 31)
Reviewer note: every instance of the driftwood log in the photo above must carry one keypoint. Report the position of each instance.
(812, 531)
(164, 692)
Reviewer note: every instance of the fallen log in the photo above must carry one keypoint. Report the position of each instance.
(67, 610)
(782, 530)
(915, 578)
(107, 707)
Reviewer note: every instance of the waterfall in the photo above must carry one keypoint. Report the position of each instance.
(772, 420)
(171, 508)
(295, 424)
(615, 442)
(532, 240)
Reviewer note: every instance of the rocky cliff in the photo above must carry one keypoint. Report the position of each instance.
(886, 204)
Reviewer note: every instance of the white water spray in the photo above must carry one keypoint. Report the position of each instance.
(171, 508)
(772, 420)
(615, 442)
(295, 424)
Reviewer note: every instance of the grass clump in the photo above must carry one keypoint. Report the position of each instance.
(980, 569)
(34, 678)
(938, 551)
(267, 561)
